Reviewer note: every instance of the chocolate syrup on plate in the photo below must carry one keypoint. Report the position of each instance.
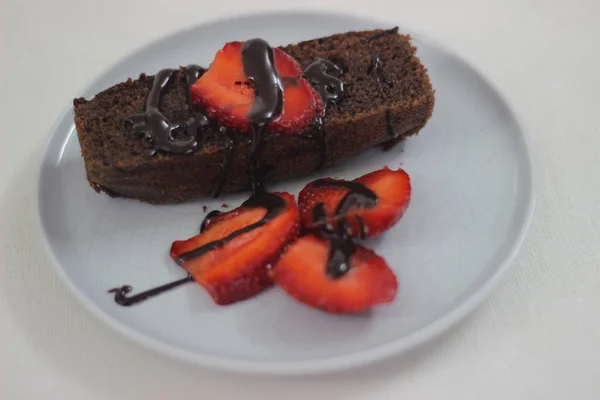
(122, 292)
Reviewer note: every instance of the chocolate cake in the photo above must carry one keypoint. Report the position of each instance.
(375, 88)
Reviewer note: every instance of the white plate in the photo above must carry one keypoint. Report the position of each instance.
(473, 197)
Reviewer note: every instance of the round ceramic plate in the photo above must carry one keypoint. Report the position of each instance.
(472, 200)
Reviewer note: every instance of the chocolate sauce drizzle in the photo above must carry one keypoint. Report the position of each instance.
(259, 67)
(342, 247)
(121, 293)
(341, 251)
(157, 128)
(395, 135)
(229, 142)
(318, 136)
(392, 133)
(325, 77)
(192, 74)
(206, 219)
(271, 202)
(391, 129)
(376, 69)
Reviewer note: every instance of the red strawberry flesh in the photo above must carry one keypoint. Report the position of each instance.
(368, 205)
(228, 95)
(302, 273)
(231, 257)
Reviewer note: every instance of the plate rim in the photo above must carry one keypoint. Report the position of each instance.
(393, 348)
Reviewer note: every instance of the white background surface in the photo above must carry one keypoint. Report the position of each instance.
(538, 336)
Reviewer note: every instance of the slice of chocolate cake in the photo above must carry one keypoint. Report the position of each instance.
(145, 139)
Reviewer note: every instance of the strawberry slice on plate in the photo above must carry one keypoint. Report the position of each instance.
(232, 255)
(228, 95)
(364, 207)
(335, 276)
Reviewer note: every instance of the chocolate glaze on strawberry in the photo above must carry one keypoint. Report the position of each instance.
(272, 203)
(259, 67)
(358, 194)
(157, 128)
(342, 247)
(206, 219)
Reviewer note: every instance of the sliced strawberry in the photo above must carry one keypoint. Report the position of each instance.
(303, 273)
(367, 206)
(227, 94)
(231, 257)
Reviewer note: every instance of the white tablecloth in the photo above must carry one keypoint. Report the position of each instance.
(538, 336)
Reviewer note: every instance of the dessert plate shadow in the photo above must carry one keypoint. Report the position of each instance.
(473, 197)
